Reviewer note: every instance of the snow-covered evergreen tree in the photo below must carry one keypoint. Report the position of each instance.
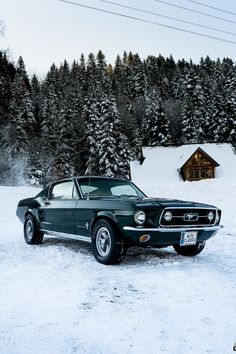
(114, 154)
(119, 76)
(215, 118)
(194, 109)
(229, 129)
(36, 96)
(135, 78)
(107, 145)
(65, 152)
(91, 119)
(91, 74)
(21, 114)
(102, 72)
(155, 126)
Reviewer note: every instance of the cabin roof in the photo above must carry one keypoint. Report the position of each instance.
(205, 154)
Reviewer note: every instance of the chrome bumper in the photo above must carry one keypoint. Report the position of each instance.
(172, 229)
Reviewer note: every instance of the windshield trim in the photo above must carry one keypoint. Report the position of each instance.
(140, 193)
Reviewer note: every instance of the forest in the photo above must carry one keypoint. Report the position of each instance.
(91, 117)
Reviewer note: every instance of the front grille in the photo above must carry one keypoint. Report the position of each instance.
(188, 217)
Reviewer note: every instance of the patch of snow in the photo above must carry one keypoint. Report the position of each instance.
(56, 299)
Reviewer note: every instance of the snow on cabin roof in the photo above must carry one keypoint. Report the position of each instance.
(162, 163)
(206, 156)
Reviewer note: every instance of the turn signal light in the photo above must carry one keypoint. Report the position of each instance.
(144, 238)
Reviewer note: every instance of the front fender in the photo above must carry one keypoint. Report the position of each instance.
(108, 215)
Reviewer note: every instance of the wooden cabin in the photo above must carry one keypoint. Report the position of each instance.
(199, 166)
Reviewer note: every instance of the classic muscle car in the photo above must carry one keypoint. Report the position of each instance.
(114, 214)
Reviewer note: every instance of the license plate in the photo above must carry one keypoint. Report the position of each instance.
(188, 238)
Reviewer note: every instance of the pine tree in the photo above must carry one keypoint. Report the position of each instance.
(215, 118)
(155, 126)
(102, 73)
(229, 129)
(159, 73)
(119, 77)
(91, 119)
(66, 153)
(7, 74)
(194, 109)
(82, 74)
(50, 123)
(91, 74)
(36, 96)
(107, 146)
(135, 76)
(21, 114)
(114, 153)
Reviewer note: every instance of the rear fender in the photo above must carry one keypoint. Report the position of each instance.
(34, 213)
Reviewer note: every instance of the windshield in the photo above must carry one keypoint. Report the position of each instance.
(103, 187)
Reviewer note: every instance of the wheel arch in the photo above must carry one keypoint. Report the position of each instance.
(32, 213)
(116, 244)
(108, 216)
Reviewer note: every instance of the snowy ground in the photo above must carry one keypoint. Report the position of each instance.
(56, 299)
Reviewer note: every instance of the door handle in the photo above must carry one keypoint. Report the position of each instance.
(46, 203)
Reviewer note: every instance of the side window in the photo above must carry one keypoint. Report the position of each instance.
(63, 191)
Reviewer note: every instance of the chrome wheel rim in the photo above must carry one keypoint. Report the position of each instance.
(103, 241)
(29, 229)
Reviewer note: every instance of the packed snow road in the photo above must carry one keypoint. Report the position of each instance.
(56, 299)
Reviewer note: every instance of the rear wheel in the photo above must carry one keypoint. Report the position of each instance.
(189, 251)
(32, 234)
(108, 246)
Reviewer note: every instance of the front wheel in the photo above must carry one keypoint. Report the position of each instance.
(107, 245)
(32, 234)
(189, 251)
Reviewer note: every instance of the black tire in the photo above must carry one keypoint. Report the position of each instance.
(190, 251)
(107, 245)
(32, 234)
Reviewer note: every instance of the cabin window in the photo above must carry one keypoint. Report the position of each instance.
(195, 174)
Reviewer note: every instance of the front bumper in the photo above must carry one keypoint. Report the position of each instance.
(163, 236)
(172, 229)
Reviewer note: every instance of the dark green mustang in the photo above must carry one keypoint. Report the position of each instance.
(113, 214)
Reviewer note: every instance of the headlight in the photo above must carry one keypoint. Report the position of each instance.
(210, 215)
(217, 217)
(139, 217)
(168, 216)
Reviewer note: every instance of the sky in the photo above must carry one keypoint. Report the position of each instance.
(44, 32)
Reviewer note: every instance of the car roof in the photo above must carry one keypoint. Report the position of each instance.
(87, 177)
(102, 177)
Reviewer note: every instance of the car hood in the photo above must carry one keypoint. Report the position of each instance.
(165, 203)
(154, 203)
